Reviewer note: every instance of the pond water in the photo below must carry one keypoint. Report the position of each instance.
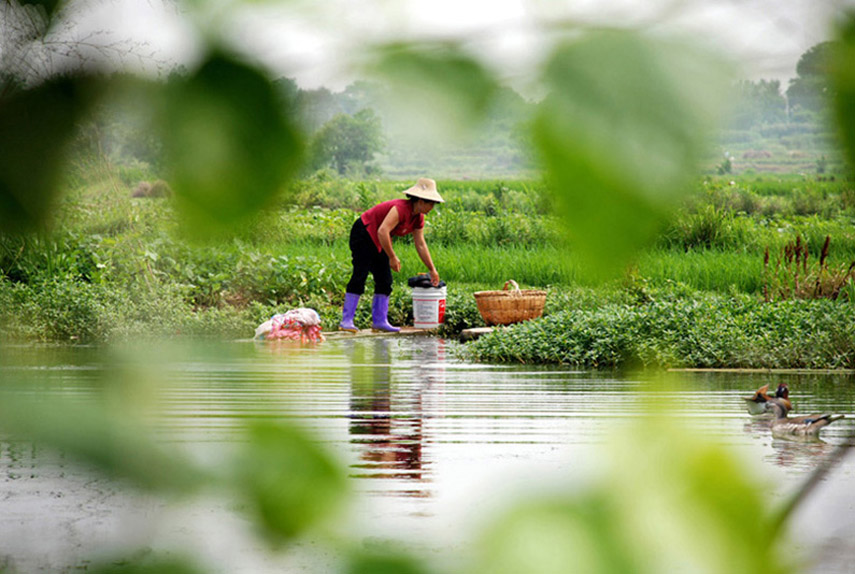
(431, 443)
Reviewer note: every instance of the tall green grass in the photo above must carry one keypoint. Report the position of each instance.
(708, 270)
(489, 267)
(536, 266)
(110, 250)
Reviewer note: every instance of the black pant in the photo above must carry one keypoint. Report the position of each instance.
(366, 259)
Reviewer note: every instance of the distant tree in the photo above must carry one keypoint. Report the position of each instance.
(508, 107)
(809, 91)
(758, 103)
(360, 95)
(348, 141)
(317, 107)
(289, 91)
(815, 61)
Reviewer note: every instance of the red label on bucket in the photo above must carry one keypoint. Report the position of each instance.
(441, 311)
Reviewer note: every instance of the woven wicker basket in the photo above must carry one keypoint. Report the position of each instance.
(506, 307)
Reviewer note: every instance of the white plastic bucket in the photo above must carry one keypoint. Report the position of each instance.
(428, 307)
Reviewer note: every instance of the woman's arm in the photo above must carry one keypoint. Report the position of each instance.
(424, 254)
(384, 234)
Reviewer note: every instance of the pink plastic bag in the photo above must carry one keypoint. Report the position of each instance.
(302, 325)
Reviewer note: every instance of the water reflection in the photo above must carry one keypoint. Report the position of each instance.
(758, 427)
(804, 453)
(422, 430)
(387, 418)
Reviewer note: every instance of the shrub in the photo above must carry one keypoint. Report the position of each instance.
(50, 257)
(325, 189)
(60, 310)
(708, 227)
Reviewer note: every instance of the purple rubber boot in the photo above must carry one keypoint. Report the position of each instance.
(348, 312)
(380, 314)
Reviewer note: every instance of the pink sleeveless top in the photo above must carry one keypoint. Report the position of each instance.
(407, 220)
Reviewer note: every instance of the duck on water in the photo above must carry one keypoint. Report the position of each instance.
(758, 403)
(803, 426)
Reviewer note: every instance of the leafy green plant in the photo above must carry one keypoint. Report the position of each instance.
(842, 80)
(39, 120)
(225, 170)
(461, 312)
(705, 331)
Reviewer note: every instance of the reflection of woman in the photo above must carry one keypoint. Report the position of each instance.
(389, 443)
(372, 252)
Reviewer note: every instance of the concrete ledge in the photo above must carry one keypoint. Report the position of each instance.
(404, 332)
(474, 333)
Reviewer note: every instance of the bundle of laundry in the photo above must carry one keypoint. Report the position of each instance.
(301, 324)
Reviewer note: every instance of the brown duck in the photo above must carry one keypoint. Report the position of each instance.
(808, 425)
(782, 393)
(758, 403)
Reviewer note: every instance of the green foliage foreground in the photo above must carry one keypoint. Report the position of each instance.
(619, 133)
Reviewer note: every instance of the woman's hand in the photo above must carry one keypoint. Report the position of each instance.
(434, 277)
(395, 263)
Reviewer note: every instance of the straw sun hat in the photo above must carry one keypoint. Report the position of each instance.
(425, 189)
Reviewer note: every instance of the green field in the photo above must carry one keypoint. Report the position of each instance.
(115, 267)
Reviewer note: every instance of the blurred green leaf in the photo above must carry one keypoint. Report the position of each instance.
(558, 536)
(50, 6)
(147, 565)
(230, 146)
(625, 121)
(691, 502)
(386, 560)
(292, 483)
(109, 441)
(843, 79)
(437, 86)
(36, 126)
(669, 501)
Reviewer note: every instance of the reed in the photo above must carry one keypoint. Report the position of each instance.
(791, 276)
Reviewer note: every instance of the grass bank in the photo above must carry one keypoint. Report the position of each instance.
(709, 331)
